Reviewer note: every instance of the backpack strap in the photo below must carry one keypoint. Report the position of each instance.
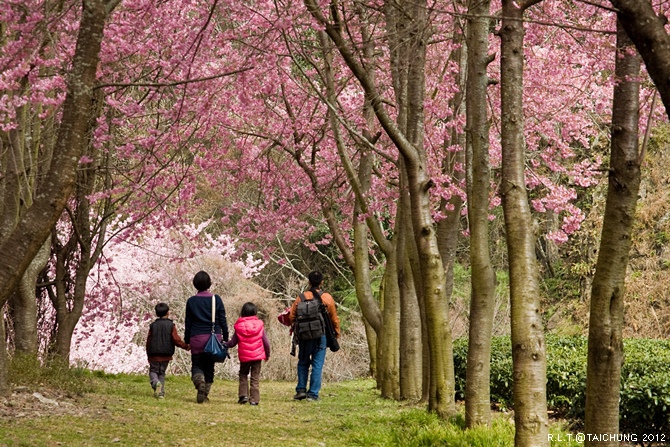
(317, 297)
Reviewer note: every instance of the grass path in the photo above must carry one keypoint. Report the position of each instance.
(122, 411)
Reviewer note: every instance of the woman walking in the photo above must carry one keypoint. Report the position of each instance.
(198, 327)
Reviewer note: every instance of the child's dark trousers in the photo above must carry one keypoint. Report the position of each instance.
(250, 387)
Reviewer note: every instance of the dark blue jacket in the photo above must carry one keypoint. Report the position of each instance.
(198, 318)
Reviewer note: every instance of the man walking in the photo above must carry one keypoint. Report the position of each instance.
(310, 328)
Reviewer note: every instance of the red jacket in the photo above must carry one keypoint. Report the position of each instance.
(250, 332)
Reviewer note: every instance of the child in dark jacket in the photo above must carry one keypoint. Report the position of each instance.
(254, 347)
(161, 342)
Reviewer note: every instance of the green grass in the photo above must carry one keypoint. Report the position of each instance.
(53, 373)
(121, 410)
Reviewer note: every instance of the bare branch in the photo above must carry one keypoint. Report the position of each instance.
(173, 84)
(536, 22)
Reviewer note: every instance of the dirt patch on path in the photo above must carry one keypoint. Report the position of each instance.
(25, 402)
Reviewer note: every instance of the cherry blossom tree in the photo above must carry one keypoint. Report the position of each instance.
(144, 141)
(138, 270)
(22, 239)
(541, 132)
(282, 119)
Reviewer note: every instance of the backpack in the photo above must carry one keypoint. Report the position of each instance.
(309, 323)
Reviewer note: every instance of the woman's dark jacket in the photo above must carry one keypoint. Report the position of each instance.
(198, 320)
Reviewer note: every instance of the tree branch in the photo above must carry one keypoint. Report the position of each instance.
(172, 84)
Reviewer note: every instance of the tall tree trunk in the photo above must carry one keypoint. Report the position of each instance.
(482, 301)
(433, 278)
(528, 346)
(412, 255)
(411, 346)
(647, 31)
(388, 363)
(4, 382)
(448, 229)
(20, 245)
(361, 270)
(371, 339)
(68, 300)
(86, 239)
(605, 345)
(406, 245)
(388, 334)
(24, 304)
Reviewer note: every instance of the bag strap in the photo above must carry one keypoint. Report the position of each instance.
(317, 296)
(213, 313)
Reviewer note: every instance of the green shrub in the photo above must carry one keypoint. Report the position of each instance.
(501, 369)
(30, 371)
(645, 379)
(645, 385)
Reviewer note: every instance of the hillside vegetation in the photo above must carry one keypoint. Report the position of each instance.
(567, 270)
(647, 311)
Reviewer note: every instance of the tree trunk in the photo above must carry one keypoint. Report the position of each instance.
(482, 301)
(647, 31)
(4, 382)
(68, 300)
(411, 346)
(389, 352)
(528, 347)
(371, 339)
(605, 345)
(20, 245)
(411, 60)
(388, 332)
(448, 229)
(412, 255)
(86, 239)
(24, 304)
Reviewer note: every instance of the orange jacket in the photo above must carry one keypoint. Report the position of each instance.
(327, 300)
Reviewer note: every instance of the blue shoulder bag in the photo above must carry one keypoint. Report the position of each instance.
(214, 347)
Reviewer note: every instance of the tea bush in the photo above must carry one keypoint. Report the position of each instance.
(645, 379)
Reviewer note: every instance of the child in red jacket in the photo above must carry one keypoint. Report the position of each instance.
(254, 347)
